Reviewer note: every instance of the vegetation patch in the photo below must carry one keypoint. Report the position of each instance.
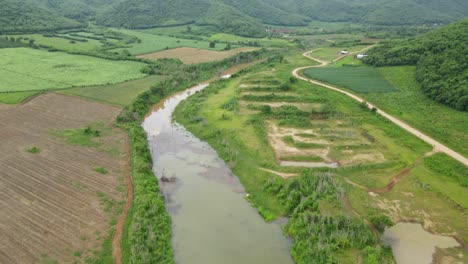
(358, 79)
(34, 150)
(15, 97)
(121, 94)
(101, 170)
(440, 57)
(82, 137)
(151, 42)
(20, 71)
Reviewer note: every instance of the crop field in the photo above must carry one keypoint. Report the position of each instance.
(121, 94)
(24, 69)
(408, 103)
(59, 200)
(263, 42)
(15, 97)
(61, 43)
(359, 79)
(192, 55)
(152, 42)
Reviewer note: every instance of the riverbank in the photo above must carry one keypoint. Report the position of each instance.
(147, 235)
(327, 126)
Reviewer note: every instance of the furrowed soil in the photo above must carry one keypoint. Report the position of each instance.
(192, 55)
(54, 206)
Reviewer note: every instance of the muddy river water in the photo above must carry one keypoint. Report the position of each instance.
(212, 221)
(411, 244)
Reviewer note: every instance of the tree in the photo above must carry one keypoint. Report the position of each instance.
(189, 29)
(212, 44)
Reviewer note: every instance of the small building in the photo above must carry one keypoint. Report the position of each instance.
(360, 56)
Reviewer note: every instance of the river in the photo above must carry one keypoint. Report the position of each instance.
(212, 221)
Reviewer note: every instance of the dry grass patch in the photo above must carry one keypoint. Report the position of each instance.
(192, 55)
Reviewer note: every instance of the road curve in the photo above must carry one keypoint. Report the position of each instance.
(438, 147)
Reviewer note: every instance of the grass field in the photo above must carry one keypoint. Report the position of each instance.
(358, 79)
(24, 69)
(15, 97)
(332, 53)
(62, 43)
(410, 104)
(264, 42)
(192, 55)
(152, 42)
(121, 94)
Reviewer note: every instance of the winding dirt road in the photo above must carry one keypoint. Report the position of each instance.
(438, 147)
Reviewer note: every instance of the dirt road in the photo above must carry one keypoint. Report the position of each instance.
(438, 147)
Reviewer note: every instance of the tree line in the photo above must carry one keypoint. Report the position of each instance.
(441, 58)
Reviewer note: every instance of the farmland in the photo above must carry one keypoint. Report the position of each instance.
(151, 43)
(19, 70)
(410, 104)
(358, 79)
(263, 42)
(403, 98)
(192, 55)
(56, 206)
(121, 94)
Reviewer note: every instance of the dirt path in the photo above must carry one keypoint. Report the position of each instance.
(281, 174)
(350, 208)
(439, 147)
(119, 228)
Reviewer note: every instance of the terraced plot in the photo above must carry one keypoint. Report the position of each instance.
(314, 139)
(57, 199)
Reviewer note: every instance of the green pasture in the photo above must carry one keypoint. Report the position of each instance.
(152, 42)
(121, 94)
(264, 42)
(409, 104)
(24, 69)
(358, 79)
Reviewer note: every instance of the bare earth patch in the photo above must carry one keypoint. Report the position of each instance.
(192, 55)
(52, 201)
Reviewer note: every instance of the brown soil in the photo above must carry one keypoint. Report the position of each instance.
(50, 208)
(119, 228)
(192, 55)
(397, 178)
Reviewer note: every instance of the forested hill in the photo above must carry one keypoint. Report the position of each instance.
(242, 17)
(380, 12)
(20, 16)
(441, 58)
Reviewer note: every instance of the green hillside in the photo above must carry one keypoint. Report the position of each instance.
(380, 12)
(442, 62)
(242, 17)
(20, 16)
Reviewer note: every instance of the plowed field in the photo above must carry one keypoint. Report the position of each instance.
(191, 55)
(51, 203)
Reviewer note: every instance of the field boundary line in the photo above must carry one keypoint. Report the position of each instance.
(438, 147)
(119, 228)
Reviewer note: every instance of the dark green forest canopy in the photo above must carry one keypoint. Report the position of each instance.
(20, 16)
(441, 58)
(242, 17)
